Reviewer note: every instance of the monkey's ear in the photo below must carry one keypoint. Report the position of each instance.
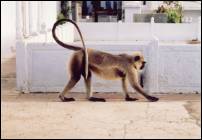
(136, 58)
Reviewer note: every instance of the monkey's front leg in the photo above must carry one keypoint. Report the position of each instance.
(124, 86)
(133, 79)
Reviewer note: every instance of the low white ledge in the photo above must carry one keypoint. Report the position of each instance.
(172, 66)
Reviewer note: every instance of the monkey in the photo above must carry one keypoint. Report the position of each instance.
(122, 67)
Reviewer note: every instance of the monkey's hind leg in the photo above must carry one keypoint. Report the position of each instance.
(75, 72)
(124, 86)
(72, 82)
(89, 90)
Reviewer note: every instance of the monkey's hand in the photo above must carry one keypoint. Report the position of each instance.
(130, 99)
(152, 99)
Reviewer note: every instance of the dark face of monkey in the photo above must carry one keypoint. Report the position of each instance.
(139, 62)
(143, 64)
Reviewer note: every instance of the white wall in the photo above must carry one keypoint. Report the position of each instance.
(8, 28)
(173, 67)
(138, 31)
(176, 32)
(114, 31)
(179, 68)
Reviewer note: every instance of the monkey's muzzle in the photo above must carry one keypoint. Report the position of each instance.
(143, 64)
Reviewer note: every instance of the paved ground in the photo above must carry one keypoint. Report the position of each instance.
(44, 116)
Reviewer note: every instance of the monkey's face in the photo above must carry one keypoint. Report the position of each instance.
(139, 62)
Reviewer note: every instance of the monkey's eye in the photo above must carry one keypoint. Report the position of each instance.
(136, 58)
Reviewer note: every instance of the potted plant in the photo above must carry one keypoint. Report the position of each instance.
(173, 9)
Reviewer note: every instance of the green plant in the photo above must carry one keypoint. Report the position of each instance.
(65, 11)
(61, 16)
(174, 16)
(173, 10)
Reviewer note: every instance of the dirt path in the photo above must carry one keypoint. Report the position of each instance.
(43, 116)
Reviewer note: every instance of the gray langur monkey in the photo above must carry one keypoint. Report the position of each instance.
(108, 66)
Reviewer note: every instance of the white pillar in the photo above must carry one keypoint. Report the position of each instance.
(199, 29)
(58, 7)
(151, 81)
(39, 17)
(42, 17)
(25, 17)
(19, 26)
(77, 11)
(70, 12)
(31, 17)
(33, 14)
(131, 8)
(152, 70)
(152, 27)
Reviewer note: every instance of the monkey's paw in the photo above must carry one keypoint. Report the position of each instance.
(153, 99)
(130, 99)
(64, 99)
(94, 99)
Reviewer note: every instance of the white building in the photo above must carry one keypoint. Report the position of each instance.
(22, 19)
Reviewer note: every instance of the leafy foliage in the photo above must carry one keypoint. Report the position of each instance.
(173, 10)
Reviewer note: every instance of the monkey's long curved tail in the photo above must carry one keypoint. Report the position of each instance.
(72, 47)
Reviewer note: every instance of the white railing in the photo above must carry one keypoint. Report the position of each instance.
(38, 17)
(140, 31)
(34, 17)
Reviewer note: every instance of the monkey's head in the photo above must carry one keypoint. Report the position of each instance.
(138, 60)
